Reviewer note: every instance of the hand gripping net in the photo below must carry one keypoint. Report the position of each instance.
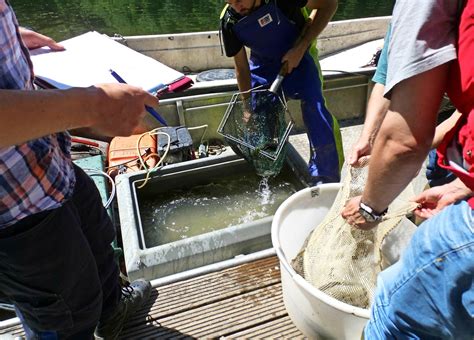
(343, 261)
(256, 129)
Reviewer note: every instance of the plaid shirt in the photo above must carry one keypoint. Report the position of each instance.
(37, 175)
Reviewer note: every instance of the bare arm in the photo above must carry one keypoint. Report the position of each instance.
(242, 70)
(108, 109)
(444, 127)
(112, 109)
(402, 143)
(376, 110)
(323, 11)
(244, 81)
(34, 40)
(405, 136)
(433, 200)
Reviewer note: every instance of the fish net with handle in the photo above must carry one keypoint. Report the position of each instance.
(257, 129)
(343, 261)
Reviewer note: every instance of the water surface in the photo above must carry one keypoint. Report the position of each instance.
(223, 202)
(62, 19)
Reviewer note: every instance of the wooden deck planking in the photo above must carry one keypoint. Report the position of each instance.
(239, 302)
(209, 288)
(243, 301)
(279, 328)
(208, 322)
(14, 331)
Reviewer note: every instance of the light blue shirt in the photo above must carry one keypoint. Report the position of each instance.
(380, 75)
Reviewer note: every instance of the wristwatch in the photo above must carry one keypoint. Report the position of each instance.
(370, 214)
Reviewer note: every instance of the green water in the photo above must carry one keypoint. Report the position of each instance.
(224, 202)
(62, 19)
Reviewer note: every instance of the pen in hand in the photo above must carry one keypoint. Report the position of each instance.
(149, 109)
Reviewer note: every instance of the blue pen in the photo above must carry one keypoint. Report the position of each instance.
(149, 109)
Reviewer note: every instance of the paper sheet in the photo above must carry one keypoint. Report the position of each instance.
(88, 59)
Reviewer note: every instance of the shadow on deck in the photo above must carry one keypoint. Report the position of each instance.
(244, 301)
(239, 302)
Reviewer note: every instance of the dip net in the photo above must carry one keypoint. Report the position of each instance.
(343, 261)
(257, 129)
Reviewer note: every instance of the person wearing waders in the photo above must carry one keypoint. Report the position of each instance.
(272, 30)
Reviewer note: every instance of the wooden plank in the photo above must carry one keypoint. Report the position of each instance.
(193, 293)
(239, 302)
(272, 329)
(217, 305)
(14, 331)
(219, 318)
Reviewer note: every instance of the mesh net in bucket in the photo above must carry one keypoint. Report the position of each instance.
(343, 261)
(256, 128)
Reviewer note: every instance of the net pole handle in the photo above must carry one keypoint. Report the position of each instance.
(279, 79)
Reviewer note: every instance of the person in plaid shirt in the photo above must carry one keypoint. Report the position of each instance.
(56, 260)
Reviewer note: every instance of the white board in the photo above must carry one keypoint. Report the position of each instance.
(88, 59)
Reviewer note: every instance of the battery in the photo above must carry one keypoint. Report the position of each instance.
(180, 144)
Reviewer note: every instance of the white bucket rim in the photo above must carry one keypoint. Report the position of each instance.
(298, 279)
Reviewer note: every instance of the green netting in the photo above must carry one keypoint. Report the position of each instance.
(256, 129)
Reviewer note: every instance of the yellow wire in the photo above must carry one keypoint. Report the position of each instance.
(153, 132)
(156, 132)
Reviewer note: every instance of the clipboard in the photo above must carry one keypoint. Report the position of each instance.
(88, 59)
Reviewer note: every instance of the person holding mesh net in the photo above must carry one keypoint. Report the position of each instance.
(377, 108)
(272, 29)
(429, 293)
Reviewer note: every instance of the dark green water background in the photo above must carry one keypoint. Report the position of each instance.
(62, 19)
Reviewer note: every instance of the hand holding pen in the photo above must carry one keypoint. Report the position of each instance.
(149, 109)
(113, 109)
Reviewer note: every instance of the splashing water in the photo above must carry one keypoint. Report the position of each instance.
(228, 201)
(265, 192)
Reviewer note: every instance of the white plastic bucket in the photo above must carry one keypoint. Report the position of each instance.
(312, 311)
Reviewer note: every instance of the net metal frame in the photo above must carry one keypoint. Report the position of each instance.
(283, 138)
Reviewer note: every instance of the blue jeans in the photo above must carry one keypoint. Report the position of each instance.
(429, 293)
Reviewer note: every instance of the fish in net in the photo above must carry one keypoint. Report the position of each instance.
(343, 261)
(257, 129)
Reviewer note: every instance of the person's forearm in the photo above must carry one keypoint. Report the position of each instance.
(395, 160)
(461, 189)
(323, 11)
(444, 127)
(405, 137)
(376, 110)
(242, 72)
(25, 115)
(243, 79)
(34, 40)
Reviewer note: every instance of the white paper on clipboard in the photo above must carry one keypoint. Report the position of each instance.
(88, 59)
